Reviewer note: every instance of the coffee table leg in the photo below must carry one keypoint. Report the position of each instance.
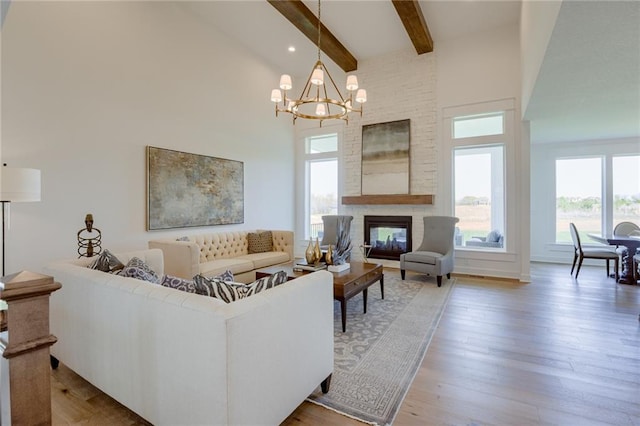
(343, 308)
(364, 295)
(382, 285)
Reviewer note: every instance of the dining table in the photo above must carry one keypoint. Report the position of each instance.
(632, 243)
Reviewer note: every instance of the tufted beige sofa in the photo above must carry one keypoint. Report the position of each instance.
(212, 254)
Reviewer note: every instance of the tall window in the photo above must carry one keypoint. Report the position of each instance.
(479, 196)
(321, 181)
(478, 181)
(626, 189)
(578, 197)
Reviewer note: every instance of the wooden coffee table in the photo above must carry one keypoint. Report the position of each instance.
(346, 284)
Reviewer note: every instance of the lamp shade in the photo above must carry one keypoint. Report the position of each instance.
(20, 185)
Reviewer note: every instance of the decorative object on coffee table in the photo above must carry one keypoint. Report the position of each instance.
(310, 254)
(328, 257)
(317, 253)
(89, 239)
(343, 247)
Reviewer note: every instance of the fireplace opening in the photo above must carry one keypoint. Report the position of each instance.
(388, 236)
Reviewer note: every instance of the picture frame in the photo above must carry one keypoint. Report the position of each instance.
(187, 190)
(386, 158)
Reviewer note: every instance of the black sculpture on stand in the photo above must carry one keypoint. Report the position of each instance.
(89, 239)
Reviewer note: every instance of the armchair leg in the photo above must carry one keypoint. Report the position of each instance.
(448, 276)
(575, 257)
(325, 384)
(402, 274)
(439, 278)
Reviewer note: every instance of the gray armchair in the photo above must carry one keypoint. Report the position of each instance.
(435, 254)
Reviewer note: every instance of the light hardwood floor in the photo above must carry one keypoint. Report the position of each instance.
(553, 351)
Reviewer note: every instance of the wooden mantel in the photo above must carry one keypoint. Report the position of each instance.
(388, 199)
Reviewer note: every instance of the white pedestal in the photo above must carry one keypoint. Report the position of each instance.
(338, 268)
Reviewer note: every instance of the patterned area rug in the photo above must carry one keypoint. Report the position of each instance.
(381, 351)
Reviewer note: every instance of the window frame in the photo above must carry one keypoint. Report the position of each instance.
(302, 172)
(508, 140)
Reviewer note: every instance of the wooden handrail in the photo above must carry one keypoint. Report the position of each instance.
(27, 348)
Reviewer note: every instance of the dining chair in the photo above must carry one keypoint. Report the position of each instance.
(581, 253)
(625, 229)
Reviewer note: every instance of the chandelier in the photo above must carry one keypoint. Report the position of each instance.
(314, 102)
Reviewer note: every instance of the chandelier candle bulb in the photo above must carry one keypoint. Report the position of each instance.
(317, 77)
(361, 96)
(276, 95)
(320, 110)
(285, 82)
(352, 83)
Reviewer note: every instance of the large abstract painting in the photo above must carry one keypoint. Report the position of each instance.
(385, 158)
(192, 190)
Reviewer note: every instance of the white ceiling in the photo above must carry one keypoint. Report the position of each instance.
(588, 86)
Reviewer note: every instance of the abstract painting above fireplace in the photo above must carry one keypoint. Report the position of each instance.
(388, 236)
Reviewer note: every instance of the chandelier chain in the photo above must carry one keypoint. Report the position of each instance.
(319, 29)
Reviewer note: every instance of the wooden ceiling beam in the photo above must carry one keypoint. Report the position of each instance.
(303, 19)
(413, 20)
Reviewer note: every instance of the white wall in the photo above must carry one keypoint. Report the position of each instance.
(543, 183)
(88, 85)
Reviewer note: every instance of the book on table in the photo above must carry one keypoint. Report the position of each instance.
(301, 264)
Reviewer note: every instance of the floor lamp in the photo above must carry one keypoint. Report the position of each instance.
(18, 185)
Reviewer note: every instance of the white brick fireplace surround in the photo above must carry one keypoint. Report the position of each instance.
(400, 86)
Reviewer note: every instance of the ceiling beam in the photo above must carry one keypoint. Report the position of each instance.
(411, 15)
(304, 20)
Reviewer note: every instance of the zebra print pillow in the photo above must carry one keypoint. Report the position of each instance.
(106, 262)
(229, 292)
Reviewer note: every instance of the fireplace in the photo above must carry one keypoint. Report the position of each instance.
(388, 236)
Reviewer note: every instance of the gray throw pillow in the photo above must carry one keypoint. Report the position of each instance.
(138, 269)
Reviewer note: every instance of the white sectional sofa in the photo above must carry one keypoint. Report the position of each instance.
(213, 253)
(178, 358)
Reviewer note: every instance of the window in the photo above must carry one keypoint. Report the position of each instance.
(479, 196)
(578, 197)
(321, 181)
(478, 125)
(596, 193)
(478, 142)
(626, 189)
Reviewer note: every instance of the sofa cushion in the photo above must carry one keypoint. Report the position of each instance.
(260, 242)
(106, 262)
(493, 236)
(138, 269)
(262, 260)
(428, 257)
(216, 267)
